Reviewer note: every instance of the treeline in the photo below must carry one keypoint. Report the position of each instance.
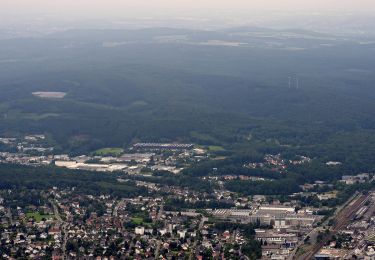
(179, 204)
(23, 198)
(232, 165)
(41, 178)
(277, 187)
(180, 180)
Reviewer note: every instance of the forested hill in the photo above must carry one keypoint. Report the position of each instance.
(218, 87)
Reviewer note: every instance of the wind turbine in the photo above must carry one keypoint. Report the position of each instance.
(297, 83)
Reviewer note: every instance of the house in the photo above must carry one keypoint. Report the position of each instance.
(139, 231)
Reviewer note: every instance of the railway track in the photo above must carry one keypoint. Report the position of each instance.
(348, 213)
(342, 219)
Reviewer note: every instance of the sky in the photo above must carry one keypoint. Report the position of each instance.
(149, 7)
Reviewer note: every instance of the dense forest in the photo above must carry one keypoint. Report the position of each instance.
(125, 86)
(43, 178)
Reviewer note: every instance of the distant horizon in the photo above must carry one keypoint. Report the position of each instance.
(207, 8)
(39, 17)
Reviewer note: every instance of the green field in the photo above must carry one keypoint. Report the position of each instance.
(109, 152)
(137, 221)
(215, 148)
(141, 221)
(38, 217)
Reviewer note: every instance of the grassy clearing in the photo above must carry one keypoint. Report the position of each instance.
(137, 221)
(211, 148)
(109, 152)
(215, 148)
(38, 217)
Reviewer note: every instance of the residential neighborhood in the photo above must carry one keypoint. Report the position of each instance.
(177, 222)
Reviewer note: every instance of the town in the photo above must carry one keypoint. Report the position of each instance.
(176, 222)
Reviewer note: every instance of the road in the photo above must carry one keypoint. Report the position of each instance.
(121, 203)
(158, 245)
(56, 211)
(63, 225)
(9, 216)
(161, 212)
(159, 242)
(193, 249)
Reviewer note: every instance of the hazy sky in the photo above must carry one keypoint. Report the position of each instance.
(148, 7)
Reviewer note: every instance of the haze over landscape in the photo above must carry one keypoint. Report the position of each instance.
(187, 129)
(125, 7)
